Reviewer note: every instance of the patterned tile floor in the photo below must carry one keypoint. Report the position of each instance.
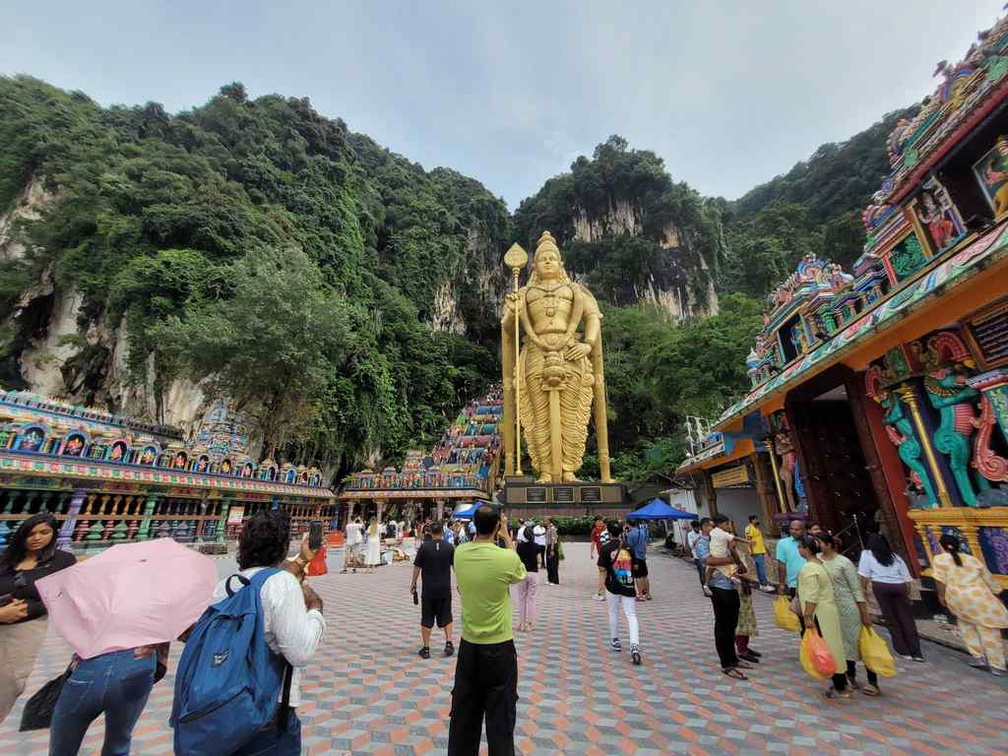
(370, 693)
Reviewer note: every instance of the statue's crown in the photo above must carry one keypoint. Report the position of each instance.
(546, 241)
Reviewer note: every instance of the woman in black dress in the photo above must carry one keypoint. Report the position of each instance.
(31, 554)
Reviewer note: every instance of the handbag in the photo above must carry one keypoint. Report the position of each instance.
(38, 710)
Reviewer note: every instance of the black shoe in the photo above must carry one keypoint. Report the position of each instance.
(754, 652)
(749, 657)
(425, 652)
(449, 648)
(635, 655)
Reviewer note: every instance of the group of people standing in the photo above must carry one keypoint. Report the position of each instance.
(363, 545)
(117, 684)
(829, 594)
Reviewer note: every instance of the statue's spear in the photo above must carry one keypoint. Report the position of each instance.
(516, 258)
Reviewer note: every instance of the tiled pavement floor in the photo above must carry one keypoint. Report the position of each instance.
(370, 693)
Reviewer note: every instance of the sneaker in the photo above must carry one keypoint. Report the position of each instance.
(767, 589)
(449, 648)
(917, 658)
(598, 597)
(615, 645)
(635, 654)
(425, 652)
(707, 592)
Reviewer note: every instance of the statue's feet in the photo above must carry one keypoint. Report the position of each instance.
(545, 478)
(569, 477)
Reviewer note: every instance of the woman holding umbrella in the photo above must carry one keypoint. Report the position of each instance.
(31, 554)
(119, 610)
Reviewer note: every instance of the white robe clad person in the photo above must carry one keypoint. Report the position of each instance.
(353, 542)
(372, 549)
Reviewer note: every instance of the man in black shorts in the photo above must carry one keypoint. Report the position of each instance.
(434, 561)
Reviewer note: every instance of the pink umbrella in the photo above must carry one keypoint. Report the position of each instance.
(130, 595)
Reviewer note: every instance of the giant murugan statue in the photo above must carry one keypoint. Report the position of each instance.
(552, 364)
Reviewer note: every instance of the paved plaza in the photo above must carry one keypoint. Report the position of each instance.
(370, 693)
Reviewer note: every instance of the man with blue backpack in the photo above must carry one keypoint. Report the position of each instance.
(238, 680)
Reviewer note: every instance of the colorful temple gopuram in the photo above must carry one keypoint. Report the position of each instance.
(879, 395)
(463, 468)
(113, 479)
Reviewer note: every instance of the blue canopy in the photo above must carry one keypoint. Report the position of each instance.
(466, 513)
(658, 509)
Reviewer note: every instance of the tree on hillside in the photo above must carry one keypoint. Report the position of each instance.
(269, 346)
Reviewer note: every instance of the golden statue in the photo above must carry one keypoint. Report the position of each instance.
(557, 375)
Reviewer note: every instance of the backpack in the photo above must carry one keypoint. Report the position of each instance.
(228, 680)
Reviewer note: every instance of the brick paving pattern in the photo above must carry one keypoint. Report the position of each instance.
(370, 693)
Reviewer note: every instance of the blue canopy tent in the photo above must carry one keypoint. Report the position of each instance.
(658, 509)
(466, 513)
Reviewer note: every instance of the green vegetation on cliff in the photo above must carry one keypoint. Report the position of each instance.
(627, 229)
(214, 233)
(814, 207)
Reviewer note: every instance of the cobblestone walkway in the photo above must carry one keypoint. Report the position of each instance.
(370, 693)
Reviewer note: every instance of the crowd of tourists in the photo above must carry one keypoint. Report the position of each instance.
(497, 568)
(828, 596)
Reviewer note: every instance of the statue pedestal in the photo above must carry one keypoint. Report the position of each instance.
(522, 497)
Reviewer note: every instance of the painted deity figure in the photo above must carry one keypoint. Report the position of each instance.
(901, 433)
(559, 367)
(952, 396)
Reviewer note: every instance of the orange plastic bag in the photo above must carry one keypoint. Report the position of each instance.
(816, 657)
(786, 619)
(875, 653)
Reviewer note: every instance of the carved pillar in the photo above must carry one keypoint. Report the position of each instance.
(764, 488)
(909, 397)
(148, 515)
(66, 532)
(440, 509)
(222, 520)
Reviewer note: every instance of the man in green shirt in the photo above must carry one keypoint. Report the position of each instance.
(486, 675)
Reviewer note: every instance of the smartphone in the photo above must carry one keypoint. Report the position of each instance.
(315, 535)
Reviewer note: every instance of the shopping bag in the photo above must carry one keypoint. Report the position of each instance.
(816, 657)
(786, 619)
(38, 710)
(875, 653)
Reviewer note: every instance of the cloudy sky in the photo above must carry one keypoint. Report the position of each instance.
(729, 93)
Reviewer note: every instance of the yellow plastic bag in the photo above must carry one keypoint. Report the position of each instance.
(786, 619)
(875, 653)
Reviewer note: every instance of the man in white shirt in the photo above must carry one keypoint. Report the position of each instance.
(539, 536)
(354, 537)
(292, 618)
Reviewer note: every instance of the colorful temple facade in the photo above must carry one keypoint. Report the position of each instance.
(109, 478)
(462, 468)
(879, 396)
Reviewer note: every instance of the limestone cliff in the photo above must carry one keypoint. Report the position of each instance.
(629, 232)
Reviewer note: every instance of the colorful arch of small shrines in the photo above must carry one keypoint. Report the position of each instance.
(112, 478)
(461, 468)
(913, 342)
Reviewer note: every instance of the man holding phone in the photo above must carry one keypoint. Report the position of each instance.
(486, 675)
(434, 561)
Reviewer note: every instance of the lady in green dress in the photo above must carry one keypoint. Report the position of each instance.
(851, 604)
(818, 607)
